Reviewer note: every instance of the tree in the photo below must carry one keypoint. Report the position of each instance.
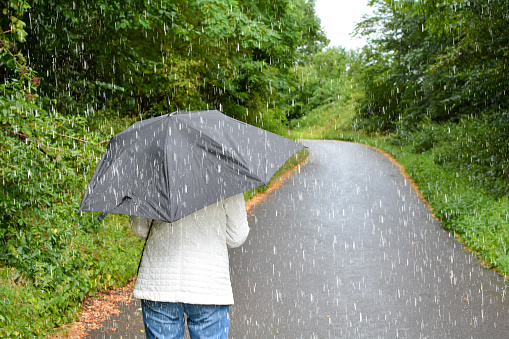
(441, 62)
(318, 80)
(124, 55)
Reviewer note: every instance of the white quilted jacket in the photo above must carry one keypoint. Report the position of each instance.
(187, 261)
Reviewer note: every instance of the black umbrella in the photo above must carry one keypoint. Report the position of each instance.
(170, 166)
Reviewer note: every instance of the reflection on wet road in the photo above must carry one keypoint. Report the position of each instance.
(345, 249)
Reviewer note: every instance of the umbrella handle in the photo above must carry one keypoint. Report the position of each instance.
(104, 214)
(143, 250)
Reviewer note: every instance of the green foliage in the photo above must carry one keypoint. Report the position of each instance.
(441, 61)
(12, 30)
(125, 55)
(319, 80)
(464, 206)
(473, 147)
(62, 263)
(54, 255)
(399, 85)
(473, 60)
(323, 99)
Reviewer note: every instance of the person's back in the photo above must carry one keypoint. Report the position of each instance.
(185, 265)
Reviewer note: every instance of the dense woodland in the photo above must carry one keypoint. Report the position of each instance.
(432, 82)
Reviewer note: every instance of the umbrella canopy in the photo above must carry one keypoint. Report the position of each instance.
(170, 166)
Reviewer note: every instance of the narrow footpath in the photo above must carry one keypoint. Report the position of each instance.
(345, 249)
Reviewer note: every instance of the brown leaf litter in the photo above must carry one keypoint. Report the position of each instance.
(96, 310)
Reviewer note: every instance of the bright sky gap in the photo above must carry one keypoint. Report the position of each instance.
(339, 17)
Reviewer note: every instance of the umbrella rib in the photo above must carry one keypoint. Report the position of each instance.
(166, 167)
(237, 156)
(227, 158)
(214, 142)
(205, 134)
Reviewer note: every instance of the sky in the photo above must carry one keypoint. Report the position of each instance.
(339, 17)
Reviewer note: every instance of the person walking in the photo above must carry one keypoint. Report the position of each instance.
(184, 270)
(171, 171)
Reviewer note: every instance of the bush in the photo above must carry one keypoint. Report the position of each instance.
(52, 256)
(475, 148)
(49, 277)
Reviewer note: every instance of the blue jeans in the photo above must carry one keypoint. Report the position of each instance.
(166, 320)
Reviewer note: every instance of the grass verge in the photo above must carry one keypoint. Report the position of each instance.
(295, 160)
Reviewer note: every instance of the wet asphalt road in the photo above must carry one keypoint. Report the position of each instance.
(345, 249)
